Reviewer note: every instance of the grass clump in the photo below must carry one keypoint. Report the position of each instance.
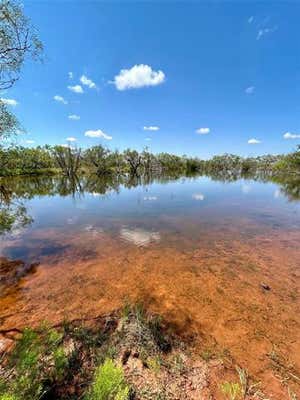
(109, 383)
(231, 390)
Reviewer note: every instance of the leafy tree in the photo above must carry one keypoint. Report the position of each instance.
(18, 39)
(134, 160)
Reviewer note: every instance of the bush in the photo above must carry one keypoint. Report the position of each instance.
(109, 383)
(37, 361)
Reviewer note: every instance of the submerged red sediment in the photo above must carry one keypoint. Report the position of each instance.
(211, 291)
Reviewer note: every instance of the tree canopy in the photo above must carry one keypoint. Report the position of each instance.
(18, 39)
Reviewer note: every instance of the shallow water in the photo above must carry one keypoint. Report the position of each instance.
(195, 250)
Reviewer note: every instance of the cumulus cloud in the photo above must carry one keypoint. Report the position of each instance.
(76, 89)
(87, 82)
(29, 141)
(202, 131)
(289, 135)
(97, 134)
(198, 196)
(250, 90)
(9, 102)
(60, 99)
(74, 117)
(151, 128)
(70, 74)
(71, 139)
(254, 141)
(137, 77)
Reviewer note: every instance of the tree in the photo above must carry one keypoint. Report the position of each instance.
(98, 159)
(18, 39)
(68, 159)
(9, 124)
(134, 160)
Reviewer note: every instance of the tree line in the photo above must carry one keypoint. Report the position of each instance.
(101, 161)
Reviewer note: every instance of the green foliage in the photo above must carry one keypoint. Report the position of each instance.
(9, 124)
(37, 361)
(7, 396)
(231, 390)
(109, 383)
(18, 38)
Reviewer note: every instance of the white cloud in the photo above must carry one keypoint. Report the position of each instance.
(71, 139)
(29, 141)
(97, 134)
(70, 74)
(265, 31)
(138, 76)
(148, 139)
(254, 141)
(250, 19)
(60, 99)
(87, 82)
(74, 117)
(198, 196)
(289, 135)
(151, 128)
(250, 90)
(202, 131)
(76, 89)
(9, 102)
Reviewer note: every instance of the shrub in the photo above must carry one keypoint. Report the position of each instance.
(109, 383)
(37, 361)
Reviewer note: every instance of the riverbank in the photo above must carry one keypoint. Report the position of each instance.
(125, 355)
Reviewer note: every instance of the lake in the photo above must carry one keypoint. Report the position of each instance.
(220, 261)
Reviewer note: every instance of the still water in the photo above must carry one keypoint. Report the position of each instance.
(196, 250)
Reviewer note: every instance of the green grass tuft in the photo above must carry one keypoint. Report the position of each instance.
(109, 383)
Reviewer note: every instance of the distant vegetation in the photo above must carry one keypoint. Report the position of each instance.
(98, 160)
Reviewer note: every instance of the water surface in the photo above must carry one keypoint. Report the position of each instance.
(196, 250)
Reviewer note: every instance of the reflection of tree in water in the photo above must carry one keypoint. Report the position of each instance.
(289, 186)
(102, 184)
(13, 214)
(13, 192)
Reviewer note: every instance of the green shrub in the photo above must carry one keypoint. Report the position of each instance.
(37, 361)
(8, 397)
(109, 383)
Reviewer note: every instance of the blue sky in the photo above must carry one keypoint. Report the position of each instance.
(210, 76)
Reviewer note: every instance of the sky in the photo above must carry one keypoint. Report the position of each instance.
(196, 78)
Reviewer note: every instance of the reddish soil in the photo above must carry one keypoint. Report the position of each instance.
(210, 292)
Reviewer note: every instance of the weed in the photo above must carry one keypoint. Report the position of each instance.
(292, 395)
(207, 355)
(109, 383)
(231, 390)
(178, 363)
(154, 363)
(243, 375)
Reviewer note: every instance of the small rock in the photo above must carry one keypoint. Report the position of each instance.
(265, 286)
(5, 345)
